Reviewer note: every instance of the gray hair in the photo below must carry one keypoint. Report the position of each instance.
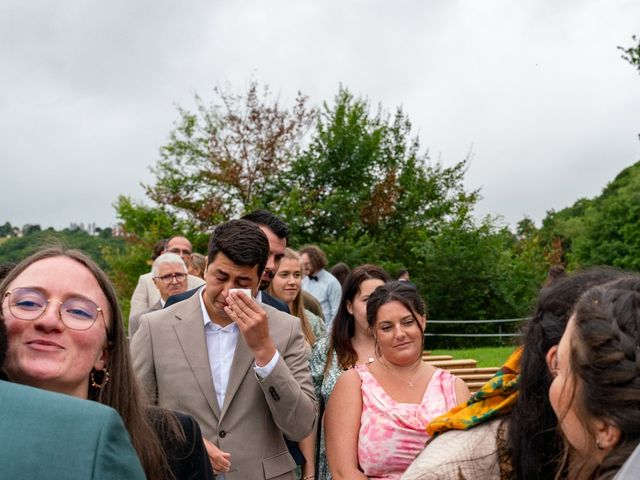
(171, 258)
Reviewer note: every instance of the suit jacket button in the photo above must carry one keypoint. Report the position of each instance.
(222, 434)
(274, 394)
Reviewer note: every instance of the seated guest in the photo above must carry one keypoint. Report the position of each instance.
(376, 418)
(170, 277)
(508, 428)
(66, 335)
(33, 421)
(596, 389)
(349, 343)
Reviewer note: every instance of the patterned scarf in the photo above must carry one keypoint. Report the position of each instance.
(495, 398)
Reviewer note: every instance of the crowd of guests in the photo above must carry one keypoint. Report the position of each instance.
(257, 362)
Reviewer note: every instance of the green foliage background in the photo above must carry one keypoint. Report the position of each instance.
(354, 180)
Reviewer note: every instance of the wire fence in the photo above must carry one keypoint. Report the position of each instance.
(500, 334)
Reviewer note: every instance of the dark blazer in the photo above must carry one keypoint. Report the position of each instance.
(48, 435)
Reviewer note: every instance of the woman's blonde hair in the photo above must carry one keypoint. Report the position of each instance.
(297, 305)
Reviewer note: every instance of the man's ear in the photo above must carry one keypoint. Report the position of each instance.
(607, 434)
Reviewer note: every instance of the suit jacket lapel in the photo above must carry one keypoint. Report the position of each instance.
(242, 361)
(190, 332)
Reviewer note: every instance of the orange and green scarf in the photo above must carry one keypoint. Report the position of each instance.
(495, 398)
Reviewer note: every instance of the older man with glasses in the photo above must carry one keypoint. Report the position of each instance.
(147, 294)
(169, 274)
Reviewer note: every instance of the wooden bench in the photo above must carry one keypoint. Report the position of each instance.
(475, 378)
(434, 358)
(450, 364)
(491, 371)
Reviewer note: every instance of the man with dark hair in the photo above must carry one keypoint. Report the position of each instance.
(318, 282)
(239, 366)
(277, 233)
(95, 444)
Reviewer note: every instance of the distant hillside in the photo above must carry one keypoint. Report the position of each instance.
(14, 249)
(604, 230)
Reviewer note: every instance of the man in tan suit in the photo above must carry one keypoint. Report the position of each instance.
(239, 366)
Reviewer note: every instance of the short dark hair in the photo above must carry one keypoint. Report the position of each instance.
(159, 248)
(242, 242)
(340, 271)
(268, 219)
(316, 256)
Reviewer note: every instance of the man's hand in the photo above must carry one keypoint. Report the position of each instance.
(253, 324)
(220, 461)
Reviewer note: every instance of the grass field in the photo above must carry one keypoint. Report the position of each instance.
(486, 357)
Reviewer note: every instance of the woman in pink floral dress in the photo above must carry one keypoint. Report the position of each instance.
(376, 418)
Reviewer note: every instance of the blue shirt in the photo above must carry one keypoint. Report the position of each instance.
(327, 290)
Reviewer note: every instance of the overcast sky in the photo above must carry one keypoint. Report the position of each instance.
(535, 89)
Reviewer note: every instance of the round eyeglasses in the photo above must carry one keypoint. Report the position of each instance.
(77, 313)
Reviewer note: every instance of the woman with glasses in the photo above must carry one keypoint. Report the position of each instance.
(66, 335)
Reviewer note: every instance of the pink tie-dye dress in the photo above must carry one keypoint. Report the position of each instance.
(392, 433)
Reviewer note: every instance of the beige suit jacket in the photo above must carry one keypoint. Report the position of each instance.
(170, 358)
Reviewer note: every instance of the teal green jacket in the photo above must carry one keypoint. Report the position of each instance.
(46, 435)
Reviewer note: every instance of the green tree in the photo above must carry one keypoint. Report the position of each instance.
(30, 229)
(632, 54)
(6, 230)
(224, 159)
(604, 230)
(363, 174)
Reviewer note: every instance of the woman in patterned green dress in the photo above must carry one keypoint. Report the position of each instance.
(287, 286)
(350, 342)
